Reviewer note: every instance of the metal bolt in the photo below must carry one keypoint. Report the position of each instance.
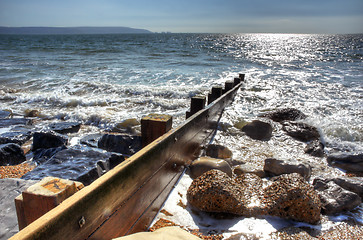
(82, 222)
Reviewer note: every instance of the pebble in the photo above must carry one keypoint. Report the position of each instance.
(15, 171)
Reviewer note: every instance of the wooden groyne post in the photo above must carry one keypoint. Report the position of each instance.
(154, 126)
(197, 103)
(127, 198)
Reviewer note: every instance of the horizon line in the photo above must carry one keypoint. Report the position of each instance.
(170, 32)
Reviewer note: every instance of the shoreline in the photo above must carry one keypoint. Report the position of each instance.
(224, 136)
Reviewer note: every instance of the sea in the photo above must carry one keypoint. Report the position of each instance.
(103, 80)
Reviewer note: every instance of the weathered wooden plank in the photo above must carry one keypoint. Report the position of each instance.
(133, 191)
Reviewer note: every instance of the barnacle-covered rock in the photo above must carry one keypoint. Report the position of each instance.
(301, 131)
(289, 196)
(285, 114)
(215, 191)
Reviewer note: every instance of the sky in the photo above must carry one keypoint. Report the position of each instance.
(201, 16)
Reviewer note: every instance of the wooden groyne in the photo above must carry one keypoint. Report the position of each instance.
(127, 198)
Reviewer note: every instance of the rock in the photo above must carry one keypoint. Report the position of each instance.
(204, 164)
(315, 148)
(31, 113)
(289, 196)
(48, 140)
(127, 125)
(276, 167)
(64, 127)
(170, 233)
(15, 137)
(218, 151)
(352, 163)
(285, 114)
(246, 168)
(258, 130)
(42, 155)
(10, 188)
(91, 140)
(14, 122)
(351, 184)
(5, 114)
(301, 131)
(114, 160)
(215, 191)
(124, 144)
(11, 154)
(334, 198)
(74, 164)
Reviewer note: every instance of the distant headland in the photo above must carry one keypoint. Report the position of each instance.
(70, 30)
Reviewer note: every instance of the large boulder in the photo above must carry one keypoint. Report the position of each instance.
(301, 131)
(15, 137)
(218, 151)
(79, 165)
(123, 143)
(48, 140)
(315, 148)
(285, 114)
(289, 196)
(215, 191)
(204, 164)
(334, 198)
(42, 155)
(276, 167)
(352, 163)
(11, 154)
(64, 127)
(258, 130)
